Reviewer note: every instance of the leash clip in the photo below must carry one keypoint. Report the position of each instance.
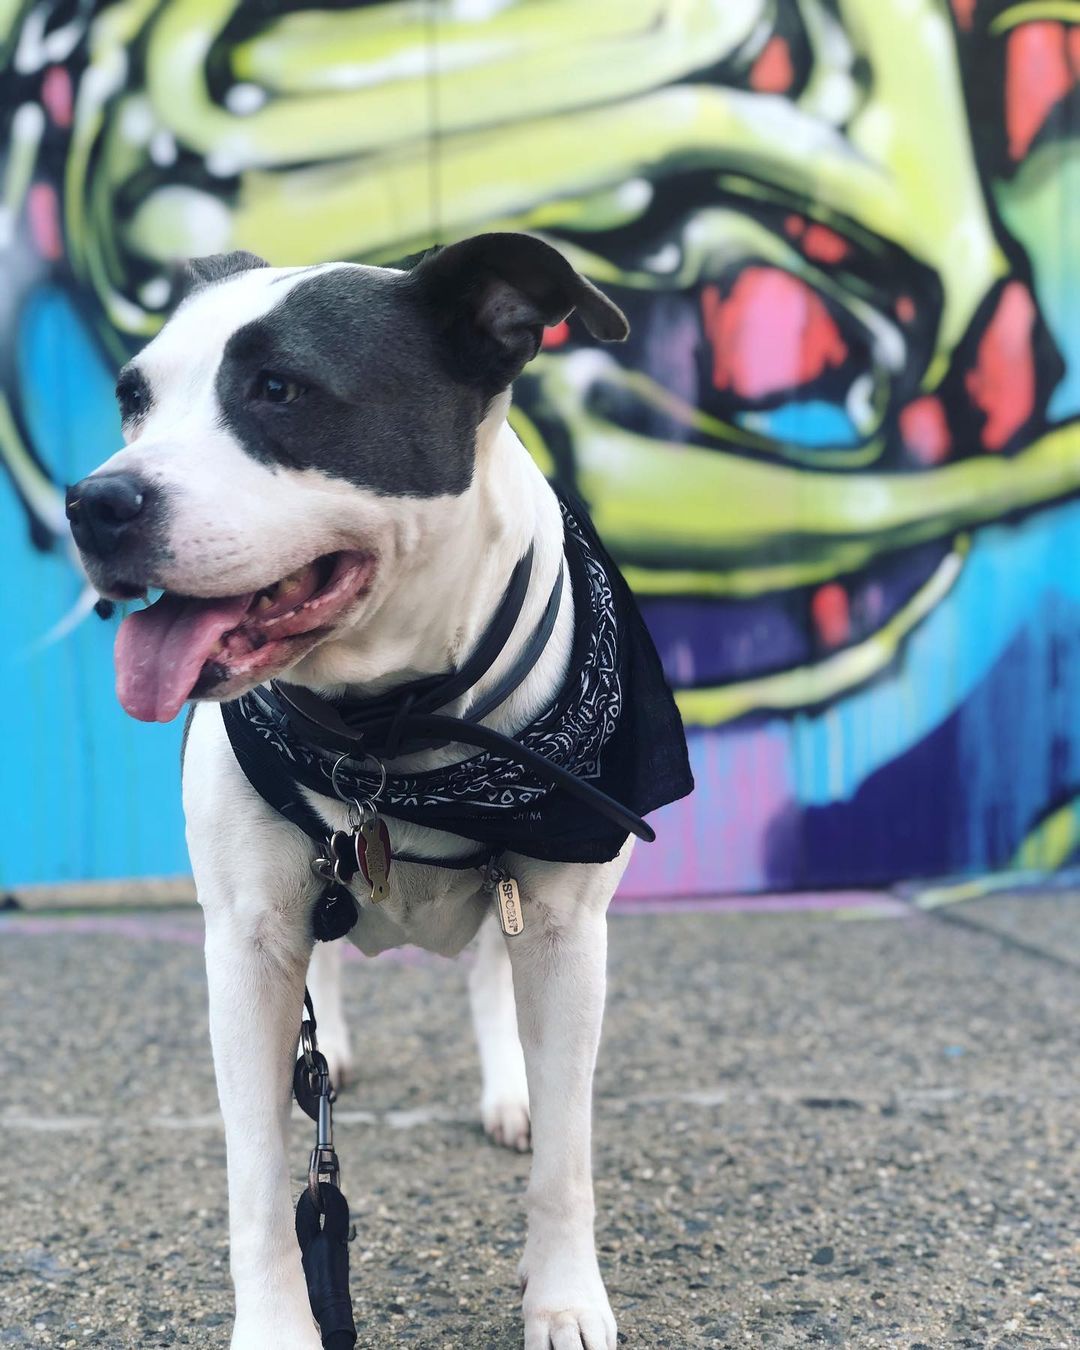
(315, 1094)
(323, 1166)
(323, 1229)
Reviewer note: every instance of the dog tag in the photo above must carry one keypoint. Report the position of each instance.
(510, 915)
(342, 857)
(374, 855)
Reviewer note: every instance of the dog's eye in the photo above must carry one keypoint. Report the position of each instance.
(270, 388)
(132, 396)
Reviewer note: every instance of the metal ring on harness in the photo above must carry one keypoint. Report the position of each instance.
(369, 802)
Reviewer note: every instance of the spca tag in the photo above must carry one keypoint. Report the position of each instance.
(510, 915)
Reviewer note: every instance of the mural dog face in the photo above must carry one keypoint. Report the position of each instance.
(301, 444)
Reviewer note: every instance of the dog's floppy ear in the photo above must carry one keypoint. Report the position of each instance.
(196, 273)
(494, 294)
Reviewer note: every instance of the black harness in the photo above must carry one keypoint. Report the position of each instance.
(569, 787)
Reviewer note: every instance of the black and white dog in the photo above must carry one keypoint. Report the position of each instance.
(319, 475)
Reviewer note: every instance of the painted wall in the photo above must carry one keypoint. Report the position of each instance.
(838, 457)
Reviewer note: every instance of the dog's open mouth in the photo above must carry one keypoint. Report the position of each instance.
(185, 647)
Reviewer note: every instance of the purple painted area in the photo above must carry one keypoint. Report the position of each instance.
(879, 903)
(128, 927)
(723, 838)
(178, 928)
(716, 641)
(188, 930)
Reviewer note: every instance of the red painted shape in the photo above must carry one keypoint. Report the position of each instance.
(772, 72)
(825, 245)
(905, 308)
(818, 241)
(1038, 75)
(925, 429)
(556, 335)
(57, 95)
(770, 333)
(965, 12)
(831, 613)
(1002, 381)
(43, 213)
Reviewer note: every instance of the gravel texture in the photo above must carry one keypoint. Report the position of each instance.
(809, 1132)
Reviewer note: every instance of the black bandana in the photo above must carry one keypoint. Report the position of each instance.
(614, 723)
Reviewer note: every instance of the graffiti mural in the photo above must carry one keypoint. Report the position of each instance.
(838, 458)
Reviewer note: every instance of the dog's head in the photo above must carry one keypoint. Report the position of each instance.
(295, 440)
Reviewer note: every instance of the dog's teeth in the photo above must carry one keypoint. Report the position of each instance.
(294, 580)
(280, 592)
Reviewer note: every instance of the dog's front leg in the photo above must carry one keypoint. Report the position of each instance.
(256, 889)
(255, 965)
(559, 983)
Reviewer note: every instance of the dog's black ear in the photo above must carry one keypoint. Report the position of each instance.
(494, 294)
(196, 273)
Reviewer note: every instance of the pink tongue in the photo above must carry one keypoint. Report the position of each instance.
(161, 650)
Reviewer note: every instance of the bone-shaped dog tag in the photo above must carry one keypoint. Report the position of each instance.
(374, 855)
(510, 916)
(342, 856)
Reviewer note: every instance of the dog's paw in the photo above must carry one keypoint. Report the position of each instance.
(506, 1120)
(566, 1305)
(300, 1334)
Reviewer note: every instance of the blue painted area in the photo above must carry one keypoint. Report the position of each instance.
(84, 791)
(966, 796)
(1001, 592)
(814, 424)
(66, 385)
(946, 763)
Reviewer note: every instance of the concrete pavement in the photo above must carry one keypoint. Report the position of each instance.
(811, 1130)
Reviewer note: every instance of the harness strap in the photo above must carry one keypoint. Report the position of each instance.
(378, 720)
(528, 658)
(385, 727)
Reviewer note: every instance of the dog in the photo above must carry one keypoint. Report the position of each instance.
(319, 475)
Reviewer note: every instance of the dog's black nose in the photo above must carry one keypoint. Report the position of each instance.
(101, 511)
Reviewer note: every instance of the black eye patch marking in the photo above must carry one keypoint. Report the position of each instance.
(133, 395)
(345, 375)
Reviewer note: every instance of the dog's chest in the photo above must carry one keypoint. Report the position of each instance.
(429, 907)
(437, 908)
